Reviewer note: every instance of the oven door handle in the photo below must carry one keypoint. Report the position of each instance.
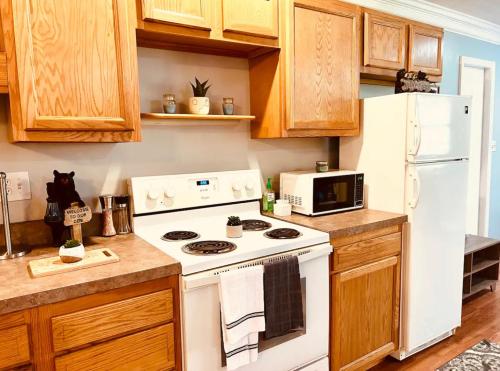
(197, 280)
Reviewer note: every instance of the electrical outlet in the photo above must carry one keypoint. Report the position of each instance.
(493, 146)
(18, 186)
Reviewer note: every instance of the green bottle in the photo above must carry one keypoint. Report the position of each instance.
(268, 197)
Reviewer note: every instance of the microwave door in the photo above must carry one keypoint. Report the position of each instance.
(333, 193)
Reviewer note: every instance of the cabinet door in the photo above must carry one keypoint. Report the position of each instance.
(153, 349)
(325, 67)
(72, 69)
(384, 42)
(256, 17)
(190, 13)
(365, 304)
(425, 49)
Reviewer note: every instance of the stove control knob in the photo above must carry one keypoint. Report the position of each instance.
(237, 187)
(169, 193)
(153, 194)
(249, 186)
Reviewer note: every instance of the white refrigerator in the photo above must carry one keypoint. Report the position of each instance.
(414, 149)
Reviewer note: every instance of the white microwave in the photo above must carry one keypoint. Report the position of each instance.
(312, 193)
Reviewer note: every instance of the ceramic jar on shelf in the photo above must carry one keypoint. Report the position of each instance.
(169, 104)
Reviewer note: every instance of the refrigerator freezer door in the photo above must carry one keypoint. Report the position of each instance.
(438, 127)
(436, 204)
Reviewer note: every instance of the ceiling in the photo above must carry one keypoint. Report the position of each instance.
(485, 9)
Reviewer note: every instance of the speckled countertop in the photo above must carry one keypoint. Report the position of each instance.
(139, 262)
(347, 223)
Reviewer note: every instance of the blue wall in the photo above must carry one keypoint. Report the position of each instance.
(455, 46)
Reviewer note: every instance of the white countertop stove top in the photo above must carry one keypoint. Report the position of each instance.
(210, 224)
(202, 203)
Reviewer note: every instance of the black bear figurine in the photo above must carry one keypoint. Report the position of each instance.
(64, 190)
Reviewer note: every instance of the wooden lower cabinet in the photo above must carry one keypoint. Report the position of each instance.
(14, 340)
(365, 300)
(134, 327)
(147, 350)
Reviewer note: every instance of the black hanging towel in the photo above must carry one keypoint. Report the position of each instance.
(282, 297)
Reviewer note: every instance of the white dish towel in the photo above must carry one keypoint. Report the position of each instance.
(242, 313)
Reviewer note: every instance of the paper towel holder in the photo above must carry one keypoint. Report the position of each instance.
(8, 251)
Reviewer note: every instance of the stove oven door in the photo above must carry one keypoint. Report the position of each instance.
(201, 328)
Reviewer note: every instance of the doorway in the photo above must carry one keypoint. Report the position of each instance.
(477, 79)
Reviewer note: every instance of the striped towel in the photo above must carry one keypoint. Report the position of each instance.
(242, 313)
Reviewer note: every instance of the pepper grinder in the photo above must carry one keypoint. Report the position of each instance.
(108, 229)
(8, 252)
(121, 214)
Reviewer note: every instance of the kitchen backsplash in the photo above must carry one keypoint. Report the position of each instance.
(179, 147)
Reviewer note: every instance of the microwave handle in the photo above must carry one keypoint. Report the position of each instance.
(416, 190)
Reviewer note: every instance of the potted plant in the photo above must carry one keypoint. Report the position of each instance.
(234, 227)
(199, 104)
(72, 251)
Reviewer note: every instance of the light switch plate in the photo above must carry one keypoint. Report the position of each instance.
(493, 146)
(18, 186)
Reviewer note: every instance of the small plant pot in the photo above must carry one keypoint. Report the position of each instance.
(199, 105)
(234, 231)
(72, 254)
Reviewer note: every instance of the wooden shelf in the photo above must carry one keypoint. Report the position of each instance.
(185, 116)
(482, 265)
(479, 285)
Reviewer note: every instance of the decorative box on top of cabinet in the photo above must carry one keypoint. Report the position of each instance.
(72, 69)
(309, 88)
(232, 27)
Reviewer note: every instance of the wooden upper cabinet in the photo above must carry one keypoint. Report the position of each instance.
(256, 17)
(384, 42)
(391, 43)
(228, 27)
(190, 13)
(324, 66)
(309, 88)
(72, 69)
(425, 49)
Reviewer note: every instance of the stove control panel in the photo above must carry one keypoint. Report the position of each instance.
(181, 191)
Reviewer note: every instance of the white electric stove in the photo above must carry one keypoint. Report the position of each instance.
(185, 216)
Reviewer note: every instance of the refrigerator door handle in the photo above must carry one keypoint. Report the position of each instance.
(417, 137)
(416, 190)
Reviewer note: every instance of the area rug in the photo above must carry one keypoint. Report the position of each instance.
(484, 356)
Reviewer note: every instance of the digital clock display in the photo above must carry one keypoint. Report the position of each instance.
(203, 182)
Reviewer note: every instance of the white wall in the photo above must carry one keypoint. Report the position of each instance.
(180, 147)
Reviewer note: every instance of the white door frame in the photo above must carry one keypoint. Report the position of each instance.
(488, 110)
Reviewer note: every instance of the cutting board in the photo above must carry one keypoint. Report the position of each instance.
(54, 265)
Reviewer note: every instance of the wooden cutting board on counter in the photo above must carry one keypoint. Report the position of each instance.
(54, 265)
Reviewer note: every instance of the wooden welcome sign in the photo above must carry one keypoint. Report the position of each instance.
(74, 217)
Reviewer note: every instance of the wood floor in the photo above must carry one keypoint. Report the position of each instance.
(480, 320)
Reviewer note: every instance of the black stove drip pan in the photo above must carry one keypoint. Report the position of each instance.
(180, 236)
(209, 247)
(255, 225)
(283, 233)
